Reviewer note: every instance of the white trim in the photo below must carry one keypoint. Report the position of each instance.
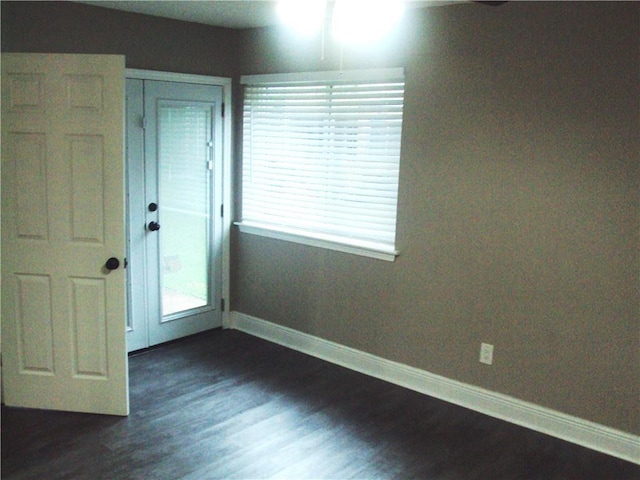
(227, 162)
(373, 74)
(227, 200)
(322, 241)
(176, 77)
(557, 424)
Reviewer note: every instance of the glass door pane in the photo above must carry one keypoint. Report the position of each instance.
(184, 182)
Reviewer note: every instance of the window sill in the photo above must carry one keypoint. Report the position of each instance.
(329, 242)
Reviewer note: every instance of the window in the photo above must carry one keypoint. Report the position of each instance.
(321, 154)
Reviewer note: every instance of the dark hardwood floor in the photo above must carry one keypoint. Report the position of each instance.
(227, 405)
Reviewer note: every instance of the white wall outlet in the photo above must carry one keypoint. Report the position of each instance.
(486, 353)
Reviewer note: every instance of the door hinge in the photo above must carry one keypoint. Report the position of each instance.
(222, 109)
(143, 123)
(222, 304)
(126, 262)
(222, 210)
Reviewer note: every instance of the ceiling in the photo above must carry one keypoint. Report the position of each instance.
(220, 13)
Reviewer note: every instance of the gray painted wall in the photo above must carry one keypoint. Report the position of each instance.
(151, 43)
(518, 211)
(519, 192)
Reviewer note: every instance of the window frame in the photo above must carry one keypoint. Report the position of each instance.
(339, 243)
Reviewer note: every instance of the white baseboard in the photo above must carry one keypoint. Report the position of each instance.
(560, 425)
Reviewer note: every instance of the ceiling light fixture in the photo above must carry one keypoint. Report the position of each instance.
(353, 21)
(364, 21)
(305, 17)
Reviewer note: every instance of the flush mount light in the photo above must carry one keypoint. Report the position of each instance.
(305, 17)
(353, 21)
(362, 21)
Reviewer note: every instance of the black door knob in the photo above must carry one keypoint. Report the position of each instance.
(112, 263)
(153, 226)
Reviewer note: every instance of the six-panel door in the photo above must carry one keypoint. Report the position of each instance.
(63, 310)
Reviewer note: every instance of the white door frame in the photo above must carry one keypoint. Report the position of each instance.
(227, 151)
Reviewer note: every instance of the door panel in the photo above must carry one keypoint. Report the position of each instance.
(86, 164)
(63, 312)
(29, 153)
(182, 125)
(33, 324)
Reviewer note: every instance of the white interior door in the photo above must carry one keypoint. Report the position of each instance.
(174, 145)
(63, 308)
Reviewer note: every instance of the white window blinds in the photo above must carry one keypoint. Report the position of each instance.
(321, 154)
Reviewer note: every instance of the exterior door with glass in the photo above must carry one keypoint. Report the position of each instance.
(174, 149)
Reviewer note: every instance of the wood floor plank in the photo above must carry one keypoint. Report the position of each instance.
(225, 405)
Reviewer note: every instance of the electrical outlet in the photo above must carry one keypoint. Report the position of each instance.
(486, 353)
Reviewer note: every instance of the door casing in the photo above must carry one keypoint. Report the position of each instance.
(224, 167)
(148, 324)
